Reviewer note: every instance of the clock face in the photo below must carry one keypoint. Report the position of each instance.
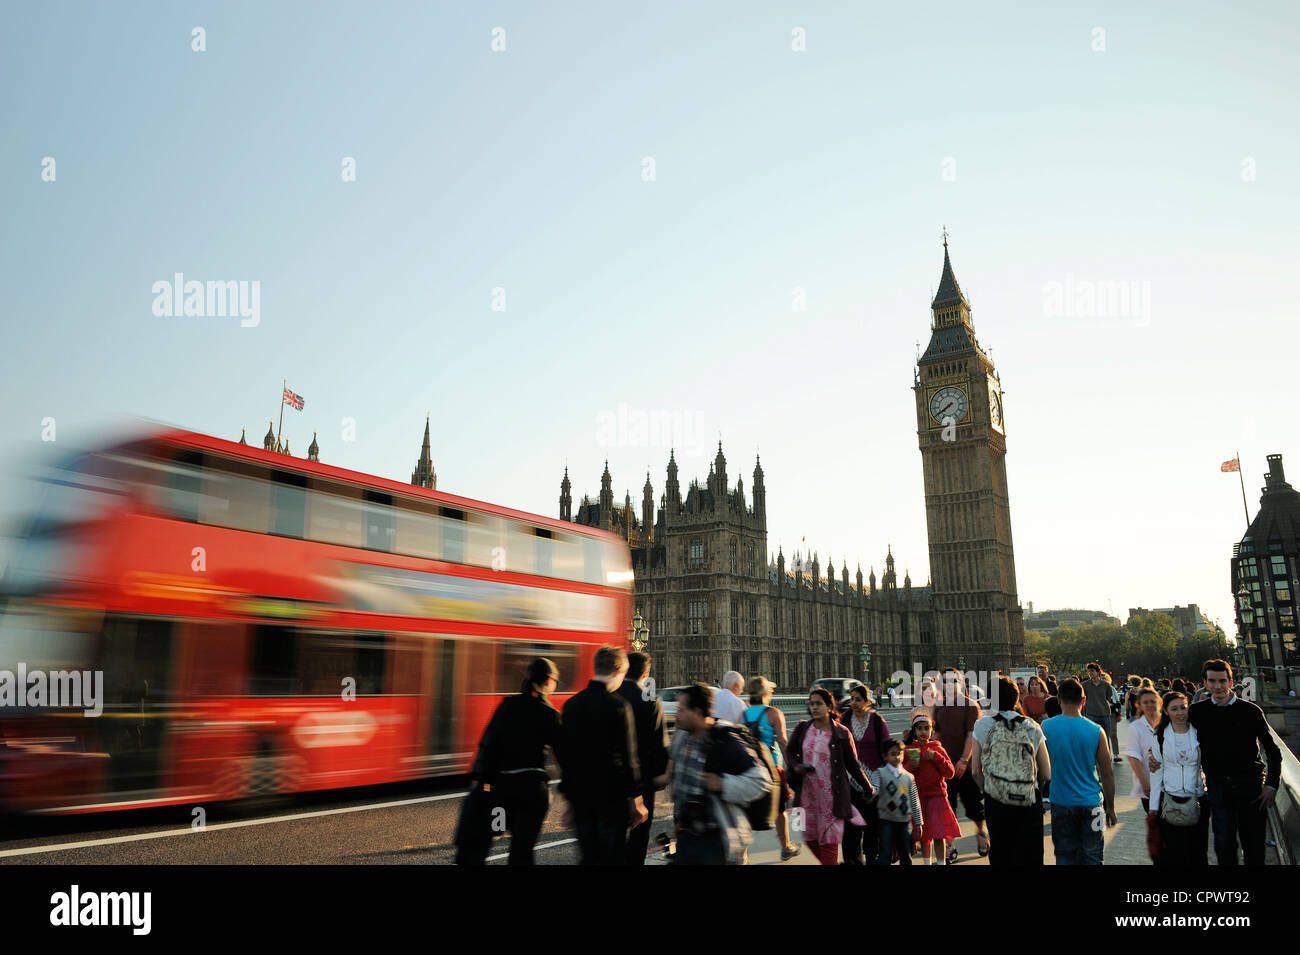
(949, 403)
(995, 405)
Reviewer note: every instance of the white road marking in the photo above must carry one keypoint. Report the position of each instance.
(545, 845)
(141, 837)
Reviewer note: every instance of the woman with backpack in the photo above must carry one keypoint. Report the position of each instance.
(822, 760)
(1010, 763)
(1178, 788)
(767, 725)
(862, 843)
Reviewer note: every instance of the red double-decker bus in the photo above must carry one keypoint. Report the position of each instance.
(265, 624)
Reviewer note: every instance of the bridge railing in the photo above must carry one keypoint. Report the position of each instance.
(1285, 814)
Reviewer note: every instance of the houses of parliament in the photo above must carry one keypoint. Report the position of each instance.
(715, 602)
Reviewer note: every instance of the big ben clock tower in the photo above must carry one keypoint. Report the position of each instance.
(962, 435)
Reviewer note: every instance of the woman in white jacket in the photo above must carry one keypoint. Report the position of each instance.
(1178, 787)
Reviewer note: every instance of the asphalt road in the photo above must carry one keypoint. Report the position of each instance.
(406, 824)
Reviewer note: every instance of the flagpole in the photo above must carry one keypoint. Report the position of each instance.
(281, 425)
(1243, 489)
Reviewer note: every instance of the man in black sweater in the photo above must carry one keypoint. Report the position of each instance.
(651, 746)
(1239, 789)
(601, 775)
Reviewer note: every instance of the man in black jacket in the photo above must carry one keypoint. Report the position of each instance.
(1238, 786)
(651, 746)
(598, 755)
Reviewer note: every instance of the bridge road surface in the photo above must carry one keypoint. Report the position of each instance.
(406, 824)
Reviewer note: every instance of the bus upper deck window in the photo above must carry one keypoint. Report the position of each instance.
(566, 556)
(485, 545)
(288, 503)
(181, 487)
(543, 552)
(379, 521)
(453, 535)
(415, 533)
(237, 496)
(593, 565)
(335, 514)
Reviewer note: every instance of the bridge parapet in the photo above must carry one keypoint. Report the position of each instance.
(1285, 814)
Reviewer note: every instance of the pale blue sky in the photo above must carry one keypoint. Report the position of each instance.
(776, 169)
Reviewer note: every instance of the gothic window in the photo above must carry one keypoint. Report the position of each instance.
(752, 621)
(731, 555)
(659, 619)
(699, 613)
(697, 554)
(735, 615)
(1279, 566)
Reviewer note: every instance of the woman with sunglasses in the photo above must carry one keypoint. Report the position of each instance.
(822, 761)
(509, 771)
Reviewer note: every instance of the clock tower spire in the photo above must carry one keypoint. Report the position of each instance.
(962, 438)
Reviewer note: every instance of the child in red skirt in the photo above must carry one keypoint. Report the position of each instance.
(926, 759)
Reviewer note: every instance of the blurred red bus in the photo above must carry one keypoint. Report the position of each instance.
(231, 597)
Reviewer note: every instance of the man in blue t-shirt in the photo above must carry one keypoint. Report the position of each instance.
(1083, 781)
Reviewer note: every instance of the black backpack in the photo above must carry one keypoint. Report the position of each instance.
(762, 811)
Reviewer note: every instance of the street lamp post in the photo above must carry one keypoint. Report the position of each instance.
(640, 633)
(865, 652)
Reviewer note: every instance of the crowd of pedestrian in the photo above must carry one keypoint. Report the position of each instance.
(1199, 755)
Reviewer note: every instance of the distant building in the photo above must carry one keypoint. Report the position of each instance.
(715, 601)
(1267, 564)
(1189, 620)
(1073, 619)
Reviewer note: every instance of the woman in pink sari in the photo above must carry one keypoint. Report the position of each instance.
(822, 760)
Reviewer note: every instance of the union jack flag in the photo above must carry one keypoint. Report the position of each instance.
(1233, 465)
(295, 401)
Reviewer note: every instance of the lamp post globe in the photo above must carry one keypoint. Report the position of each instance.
(640, 633)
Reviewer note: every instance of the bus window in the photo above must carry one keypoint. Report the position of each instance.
(369, 663)
(407, 654)
(415, 533)
(324, 661)
(566, 556)
(335, 514)
(379, 521)
(288, 503)
(521, 552)
(514, 656)
(543, 553)
(272, 672)
(180, 491)
(213, 651)
(593, 571)
(618, 565)
(235, 495)
(137, 666)
(452, 533)
(486, 543)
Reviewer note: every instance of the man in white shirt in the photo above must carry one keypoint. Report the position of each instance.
(727, 704)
